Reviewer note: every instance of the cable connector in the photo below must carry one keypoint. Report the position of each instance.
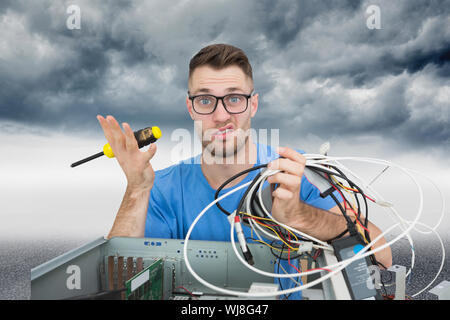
(242, 242)
(327, 192)
(318, 180)
(351, 227)
(231, 217)
(248, 256)
(384, 203)
(324, 148)
(305, 246)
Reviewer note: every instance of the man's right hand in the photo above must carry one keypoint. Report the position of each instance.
(134, 163)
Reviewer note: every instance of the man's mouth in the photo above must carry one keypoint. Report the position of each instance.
(223, 132)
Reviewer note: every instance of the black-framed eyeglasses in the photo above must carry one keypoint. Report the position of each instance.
(207, 103)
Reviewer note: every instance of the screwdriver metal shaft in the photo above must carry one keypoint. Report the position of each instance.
(95, 156)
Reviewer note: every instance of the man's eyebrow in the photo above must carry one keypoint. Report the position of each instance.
(233, 89)
(206, 90)
(203, 90)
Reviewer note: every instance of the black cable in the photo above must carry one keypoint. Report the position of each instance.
(353, 185)
(231, 179)
(352, 224)
(281, 233)
(255, 206)
(365, 223)
(278, 230)
(257, 211)
(343, 176)
(331, 182)
(241, 202)
(286, 297)
(245, 251)
(338, 236)
(282, 250)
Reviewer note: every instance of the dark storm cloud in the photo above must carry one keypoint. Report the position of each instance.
(282, 21)
(339, 78)
(316, 64)
(416, 60)
(75, 81)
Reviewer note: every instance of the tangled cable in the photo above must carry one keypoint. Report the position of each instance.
(332, 179)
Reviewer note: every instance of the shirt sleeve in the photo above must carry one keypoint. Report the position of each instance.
(311, 195)
(161, 221)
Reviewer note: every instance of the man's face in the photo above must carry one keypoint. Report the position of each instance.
(222, 133)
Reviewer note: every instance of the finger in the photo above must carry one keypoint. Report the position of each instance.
(110, 134)
(287, 166)
(118, 137)
(113, 123)
(130, 139)
(105, 126)
(291, 154)
(288, 181)
(282, 194)
(150, 152)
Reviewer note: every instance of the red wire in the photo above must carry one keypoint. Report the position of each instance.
(289, 255)
(314, 258)
(317, 254)
(329, 270)
(356, 191)
(256, 220)
(280, 235)
(345, 206)
(187, 291)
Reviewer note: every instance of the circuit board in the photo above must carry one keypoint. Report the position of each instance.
(147, 284)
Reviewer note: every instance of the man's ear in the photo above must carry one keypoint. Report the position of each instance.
(254, 104)
(189, 107)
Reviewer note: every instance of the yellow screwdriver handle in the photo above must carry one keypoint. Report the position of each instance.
(155, 132)
(108, 151)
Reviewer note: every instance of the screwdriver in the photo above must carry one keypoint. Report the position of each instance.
(143, 137)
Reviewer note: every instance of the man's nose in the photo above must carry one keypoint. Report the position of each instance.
(220, 114)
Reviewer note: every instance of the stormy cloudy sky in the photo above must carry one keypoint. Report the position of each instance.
(322, 75)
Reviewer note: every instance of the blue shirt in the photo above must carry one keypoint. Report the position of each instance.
(180, 192)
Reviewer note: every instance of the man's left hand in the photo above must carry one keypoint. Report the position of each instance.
(286, 205)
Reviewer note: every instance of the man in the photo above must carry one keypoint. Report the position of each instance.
(222, 99)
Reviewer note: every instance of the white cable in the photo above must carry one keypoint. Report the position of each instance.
(369, 245)
(441, 216)
(405, 225)
(206, 283)
(264, 175)
(401, 168)
(432, 229)
(284, 270)
(391, 210)
(442, 260)
(254, 295)
(377, 197)
(384, 162)
(268, 234)
(341, 265)
(255, 226)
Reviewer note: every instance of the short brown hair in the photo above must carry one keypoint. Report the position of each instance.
(220, 56)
